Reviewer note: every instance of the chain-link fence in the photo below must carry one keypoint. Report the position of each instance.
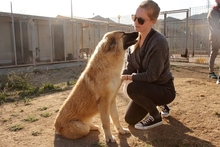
(187, 32)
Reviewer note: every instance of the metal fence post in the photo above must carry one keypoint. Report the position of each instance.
(13, 35)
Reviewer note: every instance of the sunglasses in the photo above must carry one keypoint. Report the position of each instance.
(139, 19)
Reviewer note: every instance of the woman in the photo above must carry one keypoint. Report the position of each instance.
(148, 68)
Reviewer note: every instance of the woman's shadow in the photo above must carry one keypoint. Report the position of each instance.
(174, 133)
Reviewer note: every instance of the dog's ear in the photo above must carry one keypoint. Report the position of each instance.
(111, 44)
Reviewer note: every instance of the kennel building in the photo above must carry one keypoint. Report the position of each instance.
(27, 40)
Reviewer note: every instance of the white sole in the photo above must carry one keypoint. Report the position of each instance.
(165, 115)
(148, 127)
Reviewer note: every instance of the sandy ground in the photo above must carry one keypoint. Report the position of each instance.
(194, 120)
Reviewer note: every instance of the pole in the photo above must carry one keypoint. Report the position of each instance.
(119, 17)
(71, 9)
(13, 35)
(208, 6)
(33, 41)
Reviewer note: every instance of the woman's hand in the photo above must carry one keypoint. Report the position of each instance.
(126, 77)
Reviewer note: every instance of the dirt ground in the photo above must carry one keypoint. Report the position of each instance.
(194, 120)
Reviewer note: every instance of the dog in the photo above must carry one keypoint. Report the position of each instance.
(96, 89)
(85, 53)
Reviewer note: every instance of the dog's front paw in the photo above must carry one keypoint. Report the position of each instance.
(123, 131)
(110, 138)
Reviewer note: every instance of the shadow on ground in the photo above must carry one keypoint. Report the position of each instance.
(90, 140)
(173, 134)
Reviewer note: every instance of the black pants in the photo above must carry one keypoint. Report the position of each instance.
(145, 97)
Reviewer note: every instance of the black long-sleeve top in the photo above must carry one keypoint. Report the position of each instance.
(155, 65)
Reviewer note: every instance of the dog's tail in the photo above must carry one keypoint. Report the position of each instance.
(72, 129)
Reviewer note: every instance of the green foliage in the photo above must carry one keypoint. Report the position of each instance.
(42, 109)
(99, 144)
(2, 98)
(31, 118)
(4, 120)
(18, 81)
(45, 114)
(16, 127)
(36, 133)
(3, 81)
(17, 86)
(14, 115)
(69, 83)
(27, 101)
(29, 92)
(47, 87)
(217, 113)
(173, 67)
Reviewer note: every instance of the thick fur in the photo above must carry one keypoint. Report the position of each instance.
(96, 89)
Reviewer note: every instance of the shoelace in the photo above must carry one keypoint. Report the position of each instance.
(164, 109)
(147, 120)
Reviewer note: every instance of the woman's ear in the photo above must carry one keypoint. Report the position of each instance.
(154, 21)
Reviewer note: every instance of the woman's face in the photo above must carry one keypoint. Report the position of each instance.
(218, 3)
(142, 15)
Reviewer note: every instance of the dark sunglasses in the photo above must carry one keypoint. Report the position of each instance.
(139, 19)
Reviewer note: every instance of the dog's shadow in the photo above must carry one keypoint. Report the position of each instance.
(174, 133)
(91, 140)
(87, 141)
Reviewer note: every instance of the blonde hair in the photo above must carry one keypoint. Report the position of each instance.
(152, 9)
(137, 43)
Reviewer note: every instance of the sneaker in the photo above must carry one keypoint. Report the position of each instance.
(165, 110)
(148, 123)
(212, 75)
(218, 80)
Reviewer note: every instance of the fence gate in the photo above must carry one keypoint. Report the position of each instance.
(174, 25)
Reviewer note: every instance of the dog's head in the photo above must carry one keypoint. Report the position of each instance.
(119, 40)
(129, 39)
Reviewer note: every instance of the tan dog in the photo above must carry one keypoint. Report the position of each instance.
(96, 89)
